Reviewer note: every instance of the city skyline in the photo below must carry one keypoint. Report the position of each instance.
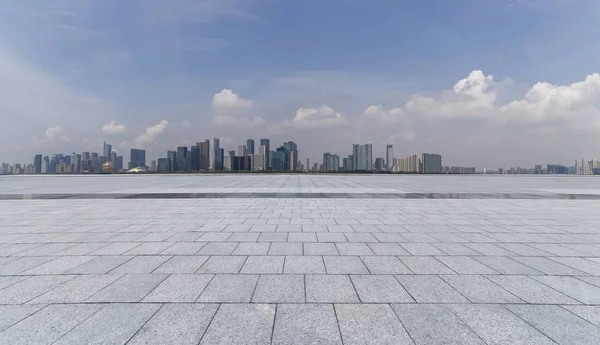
(414, 75)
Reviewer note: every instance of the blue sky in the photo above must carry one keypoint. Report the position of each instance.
(306, 71)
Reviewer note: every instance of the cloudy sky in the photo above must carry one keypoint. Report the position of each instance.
(486, 83)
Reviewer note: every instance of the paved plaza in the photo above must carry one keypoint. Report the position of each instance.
(299, 259)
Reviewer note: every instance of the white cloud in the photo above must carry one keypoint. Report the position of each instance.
(113, 128)
(322, 117)
(377, 112)
(227, 100)
(151, 134)
(53, 136)
(229, 109)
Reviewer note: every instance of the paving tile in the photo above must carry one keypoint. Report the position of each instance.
(12, 314)
(116, 248)
(455, 249)
(28, 289)
(530, 290)
(263, 265)
(581, 264)
(489, 249)
(179, 288)
(504, 265)
(572, 287)
(361, 237)
(432, 324)
(370, 324)
(11, 280)
(286, 249)
(77, 289)
(425, 265)
(150, 248)
(223, 264)
(354, 249)
(302, 237)
(330, 289)
(306, 324)
(141, 264)
(496, 325)
(430, 289)
(183, 248)
(244, 324)
(331, 237)
(478, 289)
(344, 265)
(252, 249)
(182, 264)
(113, 324)
(182, 324)
(304, 265)
(586, 312)
(387, 249)
(548, 266)
(227, 288)
(47, 325)
(243, 237)
(279, 289)
(218, 248)
(58, 266)
(99, 265)
(320, 249)
(421, 249)
(389, 237)
(523, 249)
(385, 265)
(465, 265)
(559, 324)
(379, 289)
(129, 288)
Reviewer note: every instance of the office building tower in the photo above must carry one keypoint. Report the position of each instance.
(182, 159)
(432, 163)
(137, 158)
(204, 154)
(258, 162)
(327, 162)
(278, 159)
(380, 164)
(37, 164)
(227, 163)
(118, 166)
(241, 150)
(107, 148)
(194, 158)
(250, 146)
(218, 155)
(162, 165)
(242, 163)
(389, 157)
(113, 157)
(172, 157)
(408, 164)
(267, 144)
(77, 163)
(291, 150)
(362, 157)
(45, 164)
(153, 166)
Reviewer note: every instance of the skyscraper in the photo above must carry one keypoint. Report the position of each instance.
(291, 150)
(172, 156)
(362, 157)
(204, 155)
(389, 157)
(267, 144)
(45, 164)
(218, 155)
(241, 151)
(182, 159)
(432, 163)
(137, 158)
(37, 164)
(106, 149)
(194, 158)
(118, 166)
(77, 163)
(250, 146)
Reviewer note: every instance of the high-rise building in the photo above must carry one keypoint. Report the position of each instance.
(432, 163)
(408, 164)
(241, 150)
(267, 144)
(250, 146)
(172, 157)
(389, 157)
(182, 159)
(218, 155)
(77, 163)
(242, 163)
(153, 166)
(37, 164)
(162, 165)
(307, 165)
(327, 162)
(137, 158)
(118, 166)
(380, 164)
(362, 157)
(291, 150)
(107, 148)
(45, 164)
(278, 159)
(204, 147)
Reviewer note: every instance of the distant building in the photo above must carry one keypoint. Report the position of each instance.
(241, 150)
(389, 157)
(77, 163)
(278, 159)
(163, 165)
(267, 144)
(408, 164)
(37, 164)
(194, 158)
(250, 147)
(153, 166)
(242, 163)
(182, 159)
(107, 148)
(380, 164)
(118, 166)
(557, 169)
(362, 157)
(137, 158)
(204, 155)
(172, 157)
(291, 156)
(432, 163)
(218, 155)
(45, 164)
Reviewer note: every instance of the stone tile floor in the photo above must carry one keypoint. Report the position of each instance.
(300, 271)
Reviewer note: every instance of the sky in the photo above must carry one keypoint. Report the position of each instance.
(485, 83)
